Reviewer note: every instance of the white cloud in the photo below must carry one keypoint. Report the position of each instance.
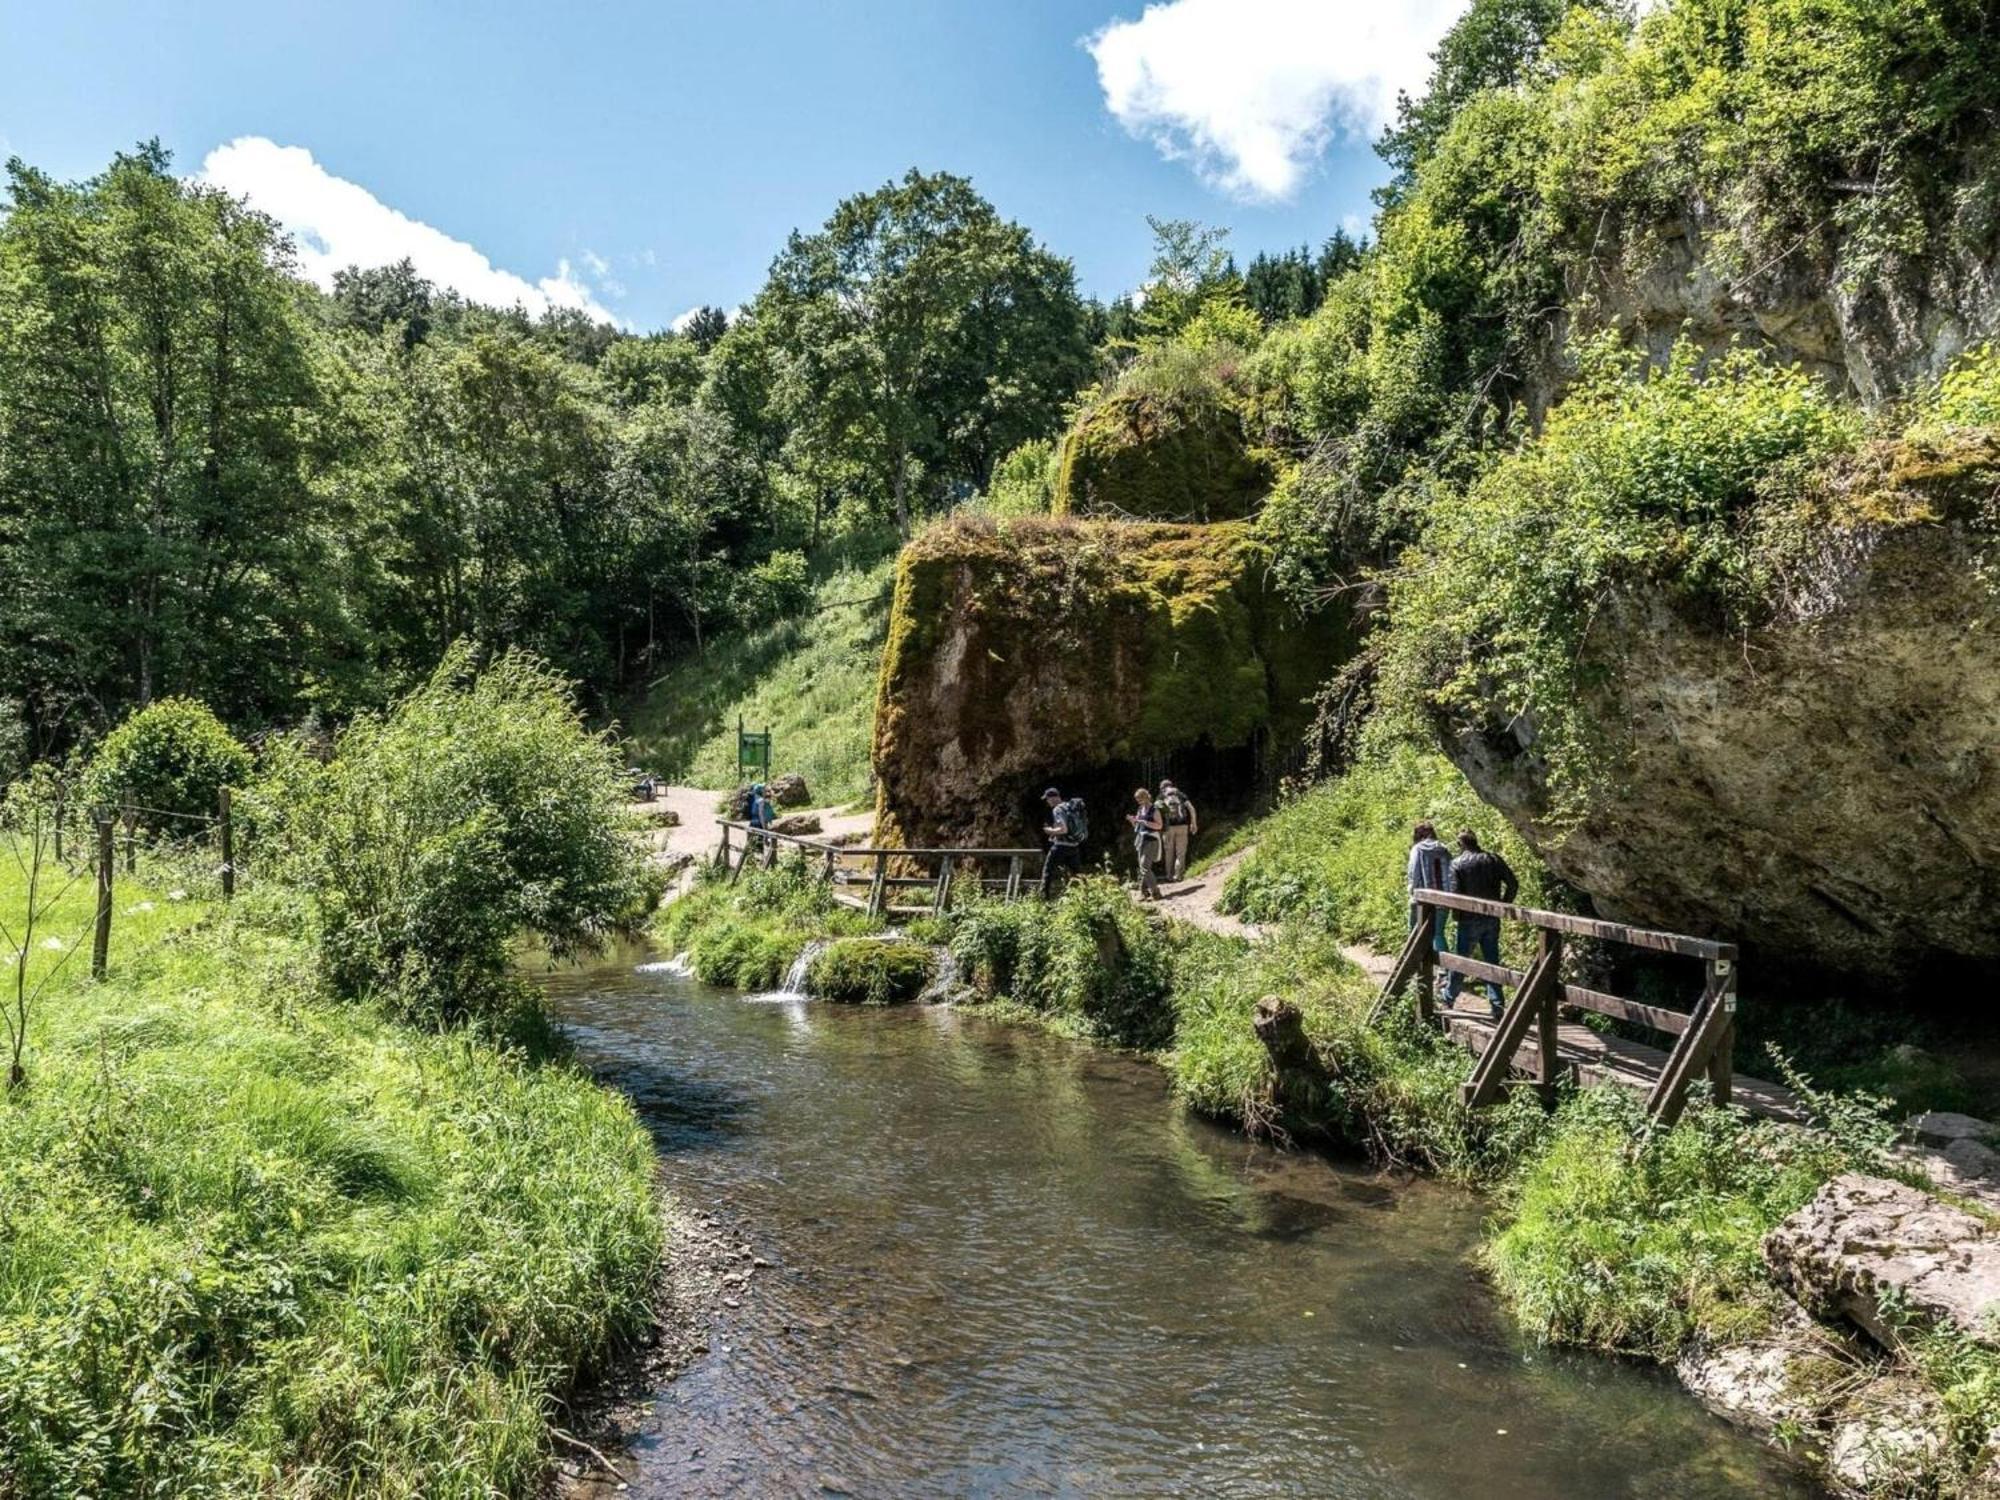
(337, 223)
(1251, 91)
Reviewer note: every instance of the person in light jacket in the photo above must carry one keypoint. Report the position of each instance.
(1429, 870)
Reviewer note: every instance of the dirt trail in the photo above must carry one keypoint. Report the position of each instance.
(696, 833)
(1194, 900)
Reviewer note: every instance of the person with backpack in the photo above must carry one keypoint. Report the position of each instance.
(762, 815)
(1178, 815)
(1477, 873)
(1429, 870)
(1066, 829)
(1146, 828)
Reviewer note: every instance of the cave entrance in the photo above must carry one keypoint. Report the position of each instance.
(1227, 784)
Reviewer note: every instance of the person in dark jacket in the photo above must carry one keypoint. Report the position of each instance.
(1065, 856)
(1429, 870)
(1478, 873)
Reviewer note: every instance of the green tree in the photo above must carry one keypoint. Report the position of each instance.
(372, 298)
(1191, 264)
(161, 523)
(705, 327)
(918, 336)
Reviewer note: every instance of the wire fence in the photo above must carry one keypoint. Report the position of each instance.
(137, 859)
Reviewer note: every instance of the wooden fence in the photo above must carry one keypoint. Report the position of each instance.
(1703, 1035)
(884, 871)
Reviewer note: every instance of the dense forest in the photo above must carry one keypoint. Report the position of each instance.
(217, 481)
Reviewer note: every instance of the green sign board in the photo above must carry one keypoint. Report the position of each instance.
(753, 753)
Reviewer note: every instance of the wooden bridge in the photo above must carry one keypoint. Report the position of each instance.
(1537, 1037)
(868, 879)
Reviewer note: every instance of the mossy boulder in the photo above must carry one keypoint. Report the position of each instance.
(869, 971)
(1146, 456)
(1044, 649)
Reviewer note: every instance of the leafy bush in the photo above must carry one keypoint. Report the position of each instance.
(1634, 481)
(1090, 961)
(173, 756)
(776, 588)
(868, 971)
(1969, 394)
(1024, 482)
(748, 935)
(478, 809)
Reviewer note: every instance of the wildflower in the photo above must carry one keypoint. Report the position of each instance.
(177, 894)
(54, 945)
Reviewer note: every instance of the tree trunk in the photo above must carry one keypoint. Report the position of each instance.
(902, 498)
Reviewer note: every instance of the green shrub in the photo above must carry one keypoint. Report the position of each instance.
(1024, 482)
(1634, 482)
(478, 809)
(1636, 1240)
(869, 971)
(172, 757)
(1969, 394)
(1089, 961)
(748, 935)
(776, 588)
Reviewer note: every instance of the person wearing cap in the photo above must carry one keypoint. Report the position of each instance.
(1065, 844)
(762, 815)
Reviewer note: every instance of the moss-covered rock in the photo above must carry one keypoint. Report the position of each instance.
(1035, 650)
(868, 971)
(1146, 456)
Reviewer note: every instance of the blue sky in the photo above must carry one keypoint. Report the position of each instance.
(643, 158)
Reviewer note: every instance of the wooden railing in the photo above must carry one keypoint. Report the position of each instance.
(882, 870)
(1704, 1036)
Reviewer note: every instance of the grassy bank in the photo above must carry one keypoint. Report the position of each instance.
(258, 1241)
(810, 680)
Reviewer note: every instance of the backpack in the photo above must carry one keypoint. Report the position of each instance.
(1077, 819)
(1174, 808)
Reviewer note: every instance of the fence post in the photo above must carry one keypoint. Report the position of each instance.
(100, 943)
(130, 816)
(1013, 876)
(878, 887)
(1430, 923)
(228, 832)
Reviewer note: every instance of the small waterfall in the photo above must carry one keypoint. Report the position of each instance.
(681, 966)
(944, 979)
(795, 977)
(794, 986)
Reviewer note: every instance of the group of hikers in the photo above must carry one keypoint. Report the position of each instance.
(1163, 827)
(1473, 871)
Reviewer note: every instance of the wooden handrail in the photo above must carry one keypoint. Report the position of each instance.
(1591, 927)
(862, 850)
(1705, 1035)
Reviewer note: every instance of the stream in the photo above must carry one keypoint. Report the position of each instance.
(1005, 1264)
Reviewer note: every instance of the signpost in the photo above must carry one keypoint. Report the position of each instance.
(753, 754)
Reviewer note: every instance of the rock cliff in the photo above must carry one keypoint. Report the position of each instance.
(1824, 787)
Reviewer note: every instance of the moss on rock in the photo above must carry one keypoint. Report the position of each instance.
(869, 971)
(1142, 455)
(1047, 648)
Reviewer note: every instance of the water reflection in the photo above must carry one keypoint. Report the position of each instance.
(1009, 1265)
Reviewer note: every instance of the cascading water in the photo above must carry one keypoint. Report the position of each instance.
(794, 986)
(681, 965)
(944, 978)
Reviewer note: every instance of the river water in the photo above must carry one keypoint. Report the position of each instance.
(1009, 1265)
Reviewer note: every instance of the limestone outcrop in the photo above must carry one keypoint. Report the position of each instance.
(1052, 650)
(1886, 1255)
(1824, 788)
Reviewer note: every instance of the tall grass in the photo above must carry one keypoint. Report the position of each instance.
(810, 680)
(260, 1243)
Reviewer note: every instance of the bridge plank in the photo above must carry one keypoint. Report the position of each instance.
(1591, 927)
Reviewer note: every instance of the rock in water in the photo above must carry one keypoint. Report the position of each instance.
(1882, 1253)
